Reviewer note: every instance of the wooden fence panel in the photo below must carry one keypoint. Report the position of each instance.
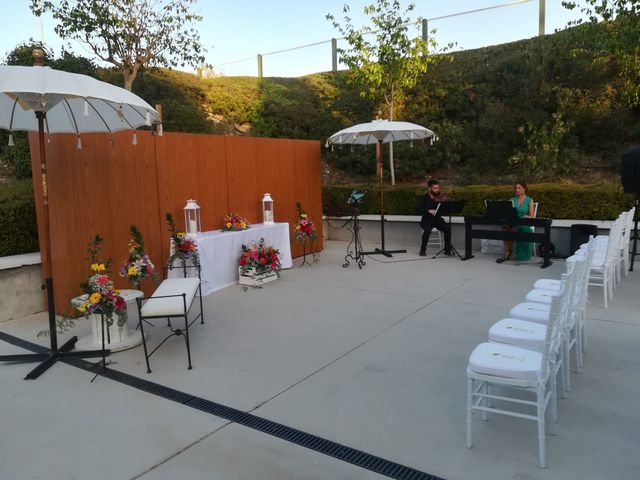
(110, 184)
(99, 189)
(191, 166)
(244, 166)
(308, 186)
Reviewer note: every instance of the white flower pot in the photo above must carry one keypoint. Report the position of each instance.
(253, 279)
(115, 335)
(119, 337)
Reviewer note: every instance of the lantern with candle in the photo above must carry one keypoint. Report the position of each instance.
(267, 209)
(192, 224)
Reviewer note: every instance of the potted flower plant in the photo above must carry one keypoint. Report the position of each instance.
(183, 248)
(138, 265)
(234, 223)
(304, 232)
(101, 300)
(259, 263)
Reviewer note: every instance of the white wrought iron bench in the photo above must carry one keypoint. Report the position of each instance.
(173, 298)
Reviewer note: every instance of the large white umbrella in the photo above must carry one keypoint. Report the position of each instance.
(73, 103)
(379, 132)
(42, 99)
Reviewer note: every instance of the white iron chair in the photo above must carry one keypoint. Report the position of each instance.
(519, 328)
(436, 239)
(578, 306)
(603, 264)
(514, 368)
(573, 328)
(533, 229)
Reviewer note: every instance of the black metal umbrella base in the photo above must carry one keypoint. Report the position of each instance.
(382, 251)
(49, 357)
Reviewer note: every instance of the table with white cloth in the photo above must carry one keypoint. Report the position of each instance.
(220, 252)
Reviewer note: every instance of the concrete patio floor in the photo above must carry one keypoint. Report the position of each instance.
(373, 359)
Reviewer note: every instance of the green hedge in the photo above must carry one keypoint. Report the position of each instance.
(19, 231)
(557, 200)
(18, 226)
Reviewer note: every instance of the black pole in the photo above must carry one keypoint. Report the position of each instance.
(635, 232)
(380, 181)
(381, 251)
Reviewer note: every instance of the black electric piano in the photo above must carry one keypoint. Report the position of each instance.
(543, 237)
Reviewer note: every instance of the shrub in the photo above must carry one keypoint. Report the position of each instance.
(18, 226)
(557, 200)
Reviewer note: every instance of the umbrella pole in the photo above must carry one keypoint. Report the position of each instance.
(381, 186)
(381, 251)
(48, 358)
(46, 261)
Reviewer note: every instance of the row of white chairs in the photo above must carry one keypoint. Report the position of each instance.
(531, 350)
(612, 256)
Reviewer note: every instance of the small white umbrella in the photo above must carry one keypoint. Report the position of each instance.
(379, 132)
(42, 99)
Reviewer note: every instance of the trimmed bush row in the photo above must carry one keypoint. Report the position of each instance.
(19, 231)
(557, 200)
(18, 225)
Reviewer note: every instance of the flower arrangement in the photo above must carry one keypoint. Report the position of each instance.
(261, 258)
(183, 248)
(100, 295)
(138, 265)
(234, 222)
(305, 228)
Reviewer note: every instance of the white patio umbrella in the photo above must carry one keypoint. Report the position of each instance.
(379, 132)
(42, 99)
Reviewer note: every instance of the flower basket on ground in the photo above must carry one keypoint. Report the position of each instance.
(234, 223)
(258, 264)
(138, 265)
(183, 248)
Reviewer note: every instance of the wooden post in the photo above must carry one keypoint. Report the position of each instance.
(425, 30)
(334, 55)
(159, 110)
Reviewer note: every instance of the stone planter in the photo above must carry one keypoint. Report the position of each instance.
(253, 279)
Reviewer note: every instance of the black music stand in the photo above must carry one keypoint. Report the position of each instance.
(447, 209)
(501, 209)
(355, 200)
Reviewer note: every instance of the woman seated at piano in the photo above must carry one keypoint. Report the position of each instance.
(525, 208)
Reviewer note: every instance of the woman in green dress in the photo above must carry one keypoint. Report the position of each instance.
(525, 207)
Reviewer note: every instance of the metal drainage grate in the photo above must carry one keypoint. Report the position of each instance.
(347, 454)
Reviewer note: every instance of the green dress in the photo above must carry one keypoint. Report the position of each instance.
(523, 250)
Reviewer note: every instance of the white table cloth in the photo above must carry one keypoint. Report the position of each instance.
(220, 252)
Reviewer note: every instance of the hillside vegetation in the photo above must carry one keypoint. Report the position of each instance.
(542, 109)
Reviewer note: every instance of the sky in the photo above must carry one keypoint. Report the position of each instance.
(232, 30)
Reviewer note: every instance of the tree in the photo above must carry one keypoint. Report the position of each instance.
(384, 63)
(130, 33)
(614, 26)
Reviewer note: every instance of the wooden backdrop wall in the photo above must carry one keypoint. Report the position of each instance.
(110, 184)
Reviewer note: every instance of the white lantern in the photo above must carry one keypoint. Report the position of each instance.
(267, 209)
(192, 218)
